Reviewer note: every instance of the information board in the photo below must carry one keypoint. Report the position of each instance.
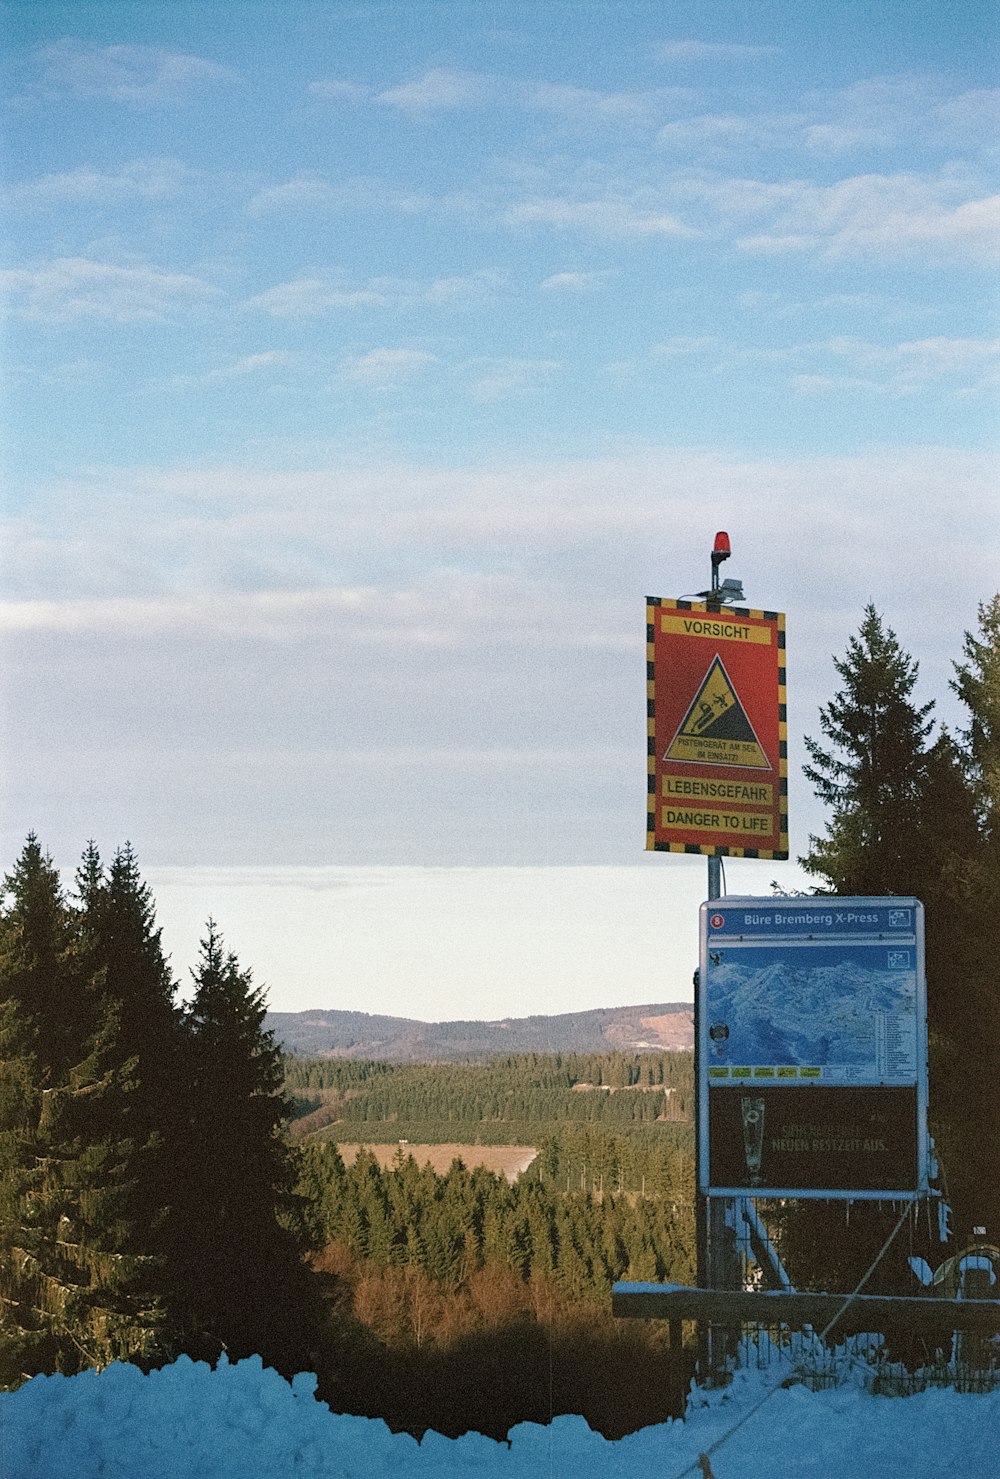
(717, 731)
(812, 1047)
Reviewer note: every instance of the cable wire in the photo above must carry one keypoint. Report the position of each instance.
(698, 1463)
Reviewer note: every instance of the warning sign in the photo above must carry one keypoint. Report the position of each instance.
(715, 730)
(717, 745)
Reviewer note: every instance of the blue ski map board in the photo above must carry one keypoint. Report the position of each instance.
(812, 1047)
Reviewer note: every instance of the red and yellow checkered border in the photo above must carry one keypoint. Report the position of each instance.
(781, 854)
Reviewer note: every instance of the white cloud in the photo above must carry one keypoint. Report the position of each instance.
(683, 344)
(731, 195)
(712, 51)
(493, 380)
(308, 296)
(458, 291)
(607, 216)
(68, 374)
(249, 364)
(896, 216)
(963, 366)
(823, 384)
(72, 289)
(710, 130)
(312, 192)
(340, 91)
(949, 366)
(228, 641)
(173, 525)
(588, 105)
(304, 192)
(253, 615)
(574, 282)
(950, 353)
(312, 296)
(939, 354)
(972, 116)
(382, 369)
(776, 243)
(143, 179)
(837, 138)
(440, 89)
(242, 654)
(130, 74)
(877, 115)
(239, 369)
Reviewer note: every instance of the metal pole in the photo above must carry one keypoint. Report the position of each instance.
(714, 1236)
(715, 861)
(710, 1212)
(703, 1209)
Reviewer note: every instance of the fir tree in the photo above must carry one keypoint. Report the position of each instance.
(124, 955)
(873, 775)
(36, 937)
(969, 1045)
(25, 1343)
(977, 683)
(237, 1242)
(912, 817)
(75, 1277)
(99, 1284)
(130, 983)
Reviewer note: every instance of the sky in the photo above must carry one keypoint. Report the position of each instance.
(365, 366)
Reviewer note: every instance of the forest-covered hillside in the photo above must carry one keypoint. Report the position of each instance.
(518, 1100)
(476, 1299)
(652, 1028)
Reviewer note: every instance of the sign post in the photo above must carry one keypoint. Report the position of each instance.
(717, 783)
(810, 1014)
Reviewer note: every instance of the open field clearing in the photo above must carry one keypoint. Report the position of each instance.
(505, 1160)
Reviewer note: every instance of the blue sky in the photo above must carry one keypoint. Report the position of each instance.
(367, 365)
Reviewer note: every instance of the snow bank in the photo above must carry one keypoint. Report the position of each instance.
(243, 1421)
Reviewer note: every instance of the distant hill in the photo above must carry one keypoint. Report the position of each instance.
(335, 1034)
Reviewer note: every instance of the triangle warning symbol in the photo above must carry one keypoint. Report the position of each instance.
(715, 730)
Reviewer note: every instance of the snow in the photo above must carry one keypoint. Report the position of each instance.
(244, 1421)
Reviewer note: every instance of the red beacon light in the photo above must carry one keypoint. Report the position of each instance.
(726, 592)
(720, 550)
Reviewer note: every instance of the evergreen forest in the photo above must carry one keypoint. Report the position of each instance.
(506, 1101)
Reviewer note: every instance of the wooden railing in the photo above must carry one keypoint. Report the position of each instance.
(862, 1312)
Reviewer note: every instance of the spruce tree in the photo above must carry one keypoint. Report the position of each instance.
(36, 939)
(99, 1283)
(40, 1014)
(74, 1276)
(120, 949)
(910, 817)
(873, 774)
(124, 956)
(970, 1037)
(25, 1331)
(977, 683)
(238, 1236)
